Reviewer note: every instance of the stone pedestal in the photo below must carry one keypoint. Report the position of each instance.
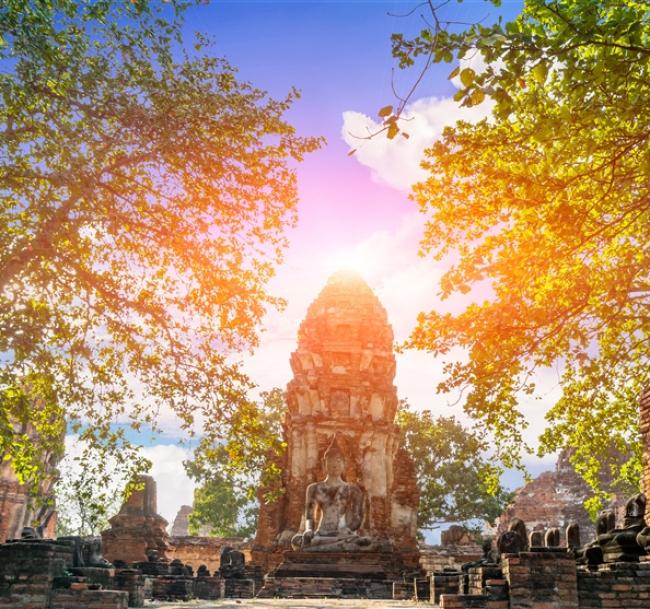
(137, 528)
(131, 581)
(239, 587)
(209, 588)
(444, 582)
(96, 575)
(344, 368)
(173, 588)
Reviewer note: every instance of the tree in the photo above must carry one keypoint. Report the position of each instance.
(221, 504)
(230, 472)
(457, 484)
(85, 500)
(144, 196)
(544, 209)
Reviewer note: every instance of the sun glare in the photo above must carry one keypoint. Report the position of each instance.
(349, 260)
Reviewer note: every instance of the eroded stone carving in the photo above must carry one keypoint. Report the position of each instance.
(340, 506)
(536, 539)
(552, 538)
(573, 536)
(87, 552)
(231, 563)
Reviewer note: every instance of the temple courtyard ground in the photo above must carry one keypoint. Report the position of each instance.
(278, 603)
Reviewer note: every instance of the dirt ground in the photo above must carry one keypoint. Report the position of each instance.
(277, 603)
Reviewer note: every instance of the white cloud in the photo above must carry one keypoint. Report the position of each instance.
(397, 162)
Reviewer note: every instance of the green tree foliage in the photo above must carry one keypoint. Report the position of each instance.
(144, 194)
(85, 500)
(230, 472)
(220, 503)
(545, 207)
(457, 484)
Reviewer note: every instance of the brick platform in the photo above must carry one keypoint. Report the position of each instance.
(364, 565)
(239, 588)
(544, 579)
(623, 585)
(463, 601)
(88, 599)
(444, 582)
(325, 587)
(29, 570)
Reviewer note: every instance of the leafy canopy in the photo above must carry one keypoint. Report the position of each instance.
(229, 473)
(85, 499)
(545, 207)
(456, 483)
(144, 194)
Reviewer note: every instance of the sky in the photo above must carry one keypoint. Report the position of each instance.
(353, 210)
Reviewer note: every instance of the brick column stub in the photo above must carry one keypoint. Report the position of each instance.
(644, 421)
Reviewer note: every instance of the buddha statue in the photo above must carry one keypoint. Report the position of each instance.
(340, 505)
(592, 553)
(621, 545)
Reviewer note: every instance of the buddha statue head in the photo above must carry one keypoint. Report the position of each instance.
(333, 458)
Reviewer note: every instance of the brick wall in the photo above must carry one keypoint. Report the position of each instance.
(198, 551)
(541, 580)
(622, 585)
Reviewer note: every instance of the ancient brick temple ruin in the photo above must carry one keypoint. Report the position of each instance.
(344, 368)
(20, 507)
(345, 526)
(137, 528)
(555, 569)
(555, 499)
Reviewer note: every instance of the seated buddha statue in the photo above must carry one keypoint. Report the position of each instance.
(341, 509)
(621, 545)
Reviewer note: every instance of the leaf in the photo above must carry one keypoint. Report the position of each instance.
(467, 76)
(351, 152)
(393, 130)
(540, 71)
(476, 97)
(385, 111)
(455, 72)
